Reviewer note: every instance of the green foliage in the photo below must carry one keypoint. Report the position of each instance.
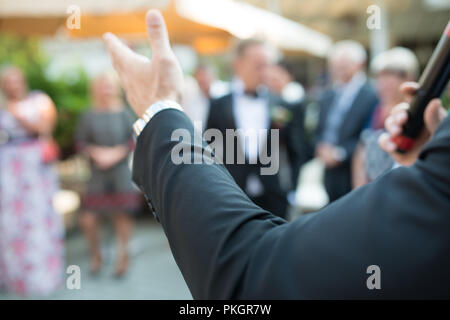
(68, 92)
(446, 98)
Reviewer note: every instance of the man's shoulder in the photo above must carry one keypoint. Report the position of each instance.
(441, 137)
(444, 129)
(433, 163)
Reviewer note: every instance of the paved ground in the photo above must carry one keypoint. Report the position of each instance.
(153, 273)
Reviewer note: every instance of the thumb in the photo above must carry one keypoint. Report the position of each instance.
(434, 114)
(157, 33)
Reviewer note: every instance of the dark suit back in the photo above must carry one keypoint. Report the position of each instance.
(229, 248)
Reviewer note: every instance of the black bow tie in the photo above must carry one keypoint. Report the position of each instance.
(252, 94)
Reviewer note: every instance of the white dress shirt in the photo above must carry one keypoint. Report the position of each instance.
(252, 116)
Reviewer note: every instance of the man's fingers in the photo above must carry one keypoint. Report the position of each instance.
(123, 58)
(157, 32)
(394, 123)
(398, 117)
(409, 89)
(386, 143)
(392, 127)
(118, 51)
(401, 107)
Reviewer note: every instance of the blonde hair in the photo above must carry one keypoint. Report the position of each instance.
(109, 75)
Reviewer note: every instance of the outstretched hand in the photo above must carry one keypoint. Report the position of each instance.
(146, 81)
(434, 115)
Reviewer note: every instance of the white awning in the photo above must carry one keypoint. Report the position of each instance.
(11, 8)
(245, 21)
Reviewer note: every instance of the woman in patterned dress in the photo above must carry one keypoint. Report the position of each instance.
(31, 233)
(105, 137)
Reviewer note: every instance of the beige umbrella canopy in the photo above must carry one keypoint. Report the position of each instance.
(208, 25)
(125, 18)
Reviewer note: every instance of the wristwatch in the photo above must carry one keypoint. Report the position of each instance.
(156, 107)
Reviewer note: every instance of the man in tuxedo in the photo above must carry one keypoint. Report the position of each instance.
(344, 112)
(394, 229)
(250, 107)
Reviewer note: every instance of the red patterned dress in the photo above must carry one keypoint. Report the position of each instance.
(31, 233)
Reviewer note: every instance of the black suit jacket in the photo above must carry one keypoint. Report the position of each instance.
(227, 247)
(338, 179)
(221, 117)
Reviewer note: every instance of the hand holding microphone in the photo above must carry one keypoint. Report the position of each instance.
(411, 124)
(432, 83)
(433, 115)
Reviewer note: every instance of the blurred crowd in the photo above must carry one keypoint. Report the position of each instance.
(263, 94)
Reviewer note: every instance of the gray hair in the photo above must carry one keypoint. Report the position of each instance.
(398, 60)
(348, 48)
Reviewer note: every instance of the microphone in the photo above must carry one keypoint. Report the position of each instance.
(432, 83)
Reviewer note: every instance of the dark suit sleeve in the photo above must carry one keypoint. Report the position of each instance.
(227, 247)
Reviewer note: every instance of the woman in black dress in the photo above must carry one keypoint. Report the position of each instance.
(105, 136)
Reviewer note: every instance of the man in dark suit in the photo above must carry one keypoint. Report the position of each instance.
(387, 239)
(252, 108)
(344, 112)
